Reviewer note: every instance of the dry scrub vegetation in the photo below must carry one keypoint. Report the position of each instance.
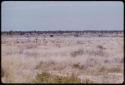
(62, 59)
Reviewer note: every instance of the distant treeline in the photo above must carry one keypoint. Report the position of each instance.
(57, 32)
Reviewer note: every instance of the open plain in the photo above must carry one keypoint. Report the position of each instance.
(53, 59)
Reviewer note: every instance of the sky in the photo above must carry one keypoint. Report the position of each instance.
(62, 15)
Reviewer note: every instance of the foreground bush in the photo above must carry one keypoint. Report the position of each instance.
(49, 78)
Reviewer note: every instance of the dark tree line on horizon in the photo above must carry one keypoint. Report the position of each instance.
(57, 33)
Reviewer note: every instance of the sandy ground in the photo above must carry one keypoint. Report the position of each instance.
(99, 59)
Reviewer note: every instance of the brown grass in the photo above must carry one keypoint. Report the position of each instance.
(90, 59)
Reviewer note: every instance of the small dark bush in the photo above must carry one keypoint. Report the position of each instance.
(51, 35)
(77, 53)
(78, 66)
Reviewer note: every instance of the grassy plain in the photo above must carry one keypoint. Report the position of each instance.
(59, 59)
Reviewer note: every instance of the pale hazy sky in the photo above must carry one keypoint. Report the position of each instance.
(62, 15)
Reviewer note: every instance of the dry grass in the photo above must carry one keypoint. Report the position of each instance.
(77, 53)
(92, 60)
(49, 78)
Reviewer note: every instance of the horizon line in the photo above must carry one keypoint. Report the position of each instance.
(56, 30)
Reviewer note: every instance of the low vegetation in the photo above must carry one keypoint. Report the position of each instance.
(53, 59)
(77, 52)
(49, 78)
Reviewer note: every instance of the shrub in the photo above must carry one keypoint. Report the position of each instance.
(78, 66)
(49, 78)
(100, 47)
(51, 35)
(77, 53)
(76, 35)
